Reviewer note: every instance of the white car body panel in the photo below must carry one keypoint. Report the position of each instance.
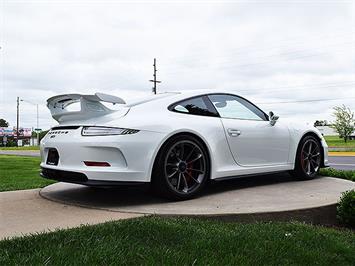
(260, 148)
(270, 144)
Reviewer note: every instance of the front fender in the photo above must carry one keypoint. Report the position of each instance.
(298, 132)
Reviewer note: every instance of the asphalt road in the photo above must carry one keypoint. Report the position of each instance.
(342, 162)
(337, 162)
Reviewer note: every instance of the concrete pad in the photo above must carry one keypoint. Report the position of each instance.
(24, 211)
(263, 194)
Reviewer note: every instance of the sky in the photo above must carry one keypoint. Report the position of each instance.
(296, 58)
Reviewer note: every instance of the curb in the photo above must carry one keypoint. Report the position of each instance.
(322, 215)
(341, 153)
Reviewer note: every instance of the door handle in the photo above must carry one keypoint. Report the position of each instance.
(234, 132)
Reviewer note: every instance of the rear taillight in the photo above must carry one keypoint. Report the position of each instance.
(107, 131)
(101, 164)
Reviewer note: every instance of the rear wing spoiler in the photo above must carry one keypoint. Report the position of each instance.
(90, 106)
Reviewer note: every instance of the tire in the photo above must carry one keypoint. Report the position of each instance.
(181, 168)
(308, 159)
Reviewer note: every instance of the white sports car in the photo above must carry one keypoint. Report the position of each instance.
(175, 141)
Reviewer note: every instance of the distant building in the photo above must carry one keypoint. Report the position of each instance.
(8, 135)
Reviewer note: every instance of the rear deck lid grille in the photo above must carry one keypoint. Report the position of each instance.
(65, 127)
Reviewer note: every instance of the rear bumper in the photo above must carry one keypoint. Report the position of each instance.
(80, 178)
(130, 157)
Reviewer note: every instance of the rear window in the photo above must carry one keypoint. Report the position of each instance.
(195, 106)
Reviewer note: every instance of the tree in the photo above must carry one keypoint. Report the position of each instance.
(3, 123)
(344, 121)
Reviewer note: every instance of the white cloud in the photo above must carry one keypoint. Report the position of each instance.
(267, 51)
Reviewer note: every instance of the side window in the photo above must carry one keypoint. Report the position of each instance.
(229, 106)
(194, 106)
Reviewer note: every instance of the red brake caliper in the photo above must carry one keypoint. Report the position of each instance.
(188, 176)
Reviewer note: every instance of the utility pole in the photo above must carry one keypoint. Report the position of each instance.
(37, 131)
(154, 80)
(37, 116)
(18, 115)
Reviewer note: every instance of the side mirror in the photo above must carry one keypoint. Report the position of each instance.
(273, 118)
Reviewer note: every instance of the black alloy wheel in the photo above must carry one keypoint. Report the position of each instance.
(181, 168)
(308, 159)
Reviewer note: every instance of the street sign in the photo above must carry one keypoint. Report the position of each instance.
(38, 130)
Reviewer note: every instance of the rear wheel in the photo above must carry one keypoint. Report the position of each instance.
(181, 168)
(308, 159)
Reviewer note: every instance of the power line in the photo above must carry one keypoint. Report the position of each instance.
(308, 101)
(335, 85)
(275, 44)
(248, 49)
(292, 50)
(246, 65)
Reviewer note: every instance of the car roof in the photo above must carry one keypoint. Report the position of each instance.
(174, 96)
(149, 98)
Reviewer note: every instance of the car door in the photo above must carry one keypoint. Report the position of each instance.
(253, 141)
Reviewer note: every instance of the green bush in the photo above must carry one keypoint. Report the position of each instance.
(344, 174)
(11, 143)
(346, 208)
(42, 134)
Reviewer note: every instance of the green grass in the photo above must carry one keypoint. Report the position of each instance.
(344, 174)
(24, 148)
(20, 172)
(335, 141)
(158, 241)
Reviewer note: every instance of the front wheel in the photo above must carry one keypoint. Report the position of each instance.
(308, 158)
(181, 168)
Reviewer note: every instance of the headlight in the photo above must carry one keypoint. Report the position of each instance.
(106, 131)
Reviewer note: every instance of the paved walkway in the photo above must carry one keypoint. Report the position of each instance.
(20, 153)
(24, 212)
